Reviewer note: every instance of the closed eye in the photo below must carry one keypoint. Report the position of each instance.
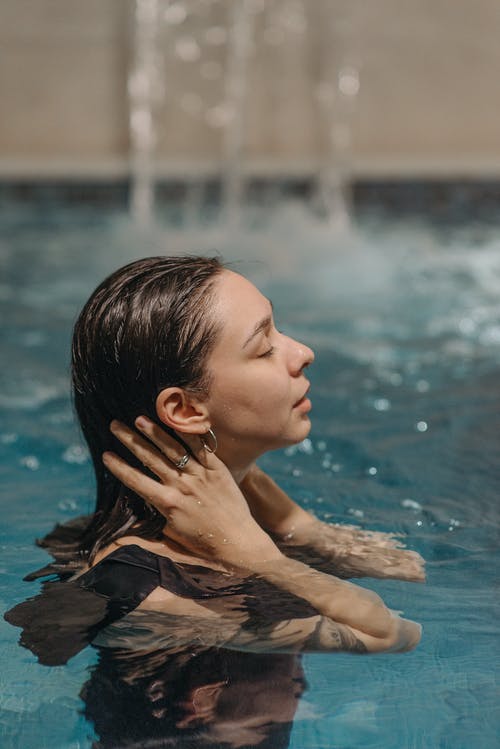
(267, 353)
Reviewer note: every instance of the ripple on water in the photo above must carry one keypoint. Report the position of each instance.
(405, 384)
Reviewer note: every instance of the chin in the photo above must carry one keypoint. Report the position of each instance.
(300, 433)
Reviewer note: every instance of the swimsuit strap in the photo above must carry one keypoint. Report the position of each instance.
(67, 615)
(125, 577)
(130, 573)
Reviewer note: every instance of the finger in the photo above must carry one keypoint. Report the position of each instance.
(148, 489)
(142, 449)
(169, 446)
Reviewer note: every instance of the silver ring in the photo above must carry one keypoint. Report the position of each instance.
(182, 462)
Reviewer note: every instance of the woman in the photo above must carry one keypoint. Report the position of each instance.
(181, 381)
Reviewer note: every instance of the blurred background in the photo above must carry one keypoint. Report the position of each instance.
(327, 97)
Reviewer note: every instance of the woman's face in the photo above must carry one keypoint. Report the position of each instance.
(257, 373)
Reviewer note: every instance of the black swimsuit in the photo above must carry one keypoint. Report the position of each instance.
(139, 695)
(69, 614)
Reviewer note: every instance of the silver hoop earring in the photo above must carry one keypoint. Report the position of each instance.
(214, 442)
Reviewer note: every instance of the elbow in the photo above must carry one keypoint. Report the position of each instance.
(413, 636)
(401, 636)
(405, 635)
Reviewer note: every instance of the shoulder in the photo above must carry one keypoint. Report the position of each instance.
(129, 571)
(129, 542)
(124, 575)
(166, 601)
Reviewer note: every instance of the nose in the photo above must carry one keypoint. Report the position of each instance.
(301, 357)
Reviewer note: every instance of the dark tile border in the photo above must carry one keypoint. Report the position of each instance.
(448, 200)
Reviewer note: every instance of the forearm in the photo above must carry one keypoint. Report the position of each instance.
(270, 506)
(363, 611)
(341, 550)
(349, 552)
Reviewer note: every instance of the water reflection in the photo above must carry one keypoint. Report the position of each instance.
(213, 697)
(162, 680)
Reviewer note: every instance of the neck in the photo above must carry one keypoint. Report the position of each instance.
(240, 473)
(237, 465)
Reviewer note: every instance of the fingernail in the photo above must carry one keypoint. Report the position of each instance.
(114, 425)
(142, 422)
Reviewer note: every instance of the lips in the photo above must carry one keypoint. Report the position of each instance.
(302, 396)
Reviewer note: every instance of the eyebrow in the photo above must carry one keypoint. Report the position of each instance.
(261, 325)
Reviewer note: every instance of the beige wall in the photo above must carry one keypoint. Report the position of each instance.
(428, 103)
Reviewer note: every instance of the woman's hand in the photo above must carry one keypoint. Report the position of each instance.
(204, 507)
(207, 513)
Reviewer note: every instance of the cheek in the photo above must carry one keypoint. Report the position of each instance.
(256, 393)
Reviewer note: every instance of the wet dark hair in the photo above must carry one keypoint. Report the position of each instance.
(146, 327)
(140, 699)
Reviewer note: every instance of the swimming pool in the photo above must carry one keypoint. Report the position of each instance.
(405, 322)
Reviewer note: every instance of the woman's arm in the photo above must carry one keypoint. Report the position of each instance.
(166, 620)
(207, 513)
(342, 550)
(349, 609)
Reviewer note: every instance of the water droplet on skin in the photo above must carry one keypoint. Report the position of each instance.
(198, 501)
(210, 535)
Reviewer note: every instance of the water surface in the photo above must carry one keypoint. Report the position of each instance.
(405, 323)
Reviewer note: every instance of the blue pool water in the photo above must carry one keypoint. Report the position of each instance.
(405, 322)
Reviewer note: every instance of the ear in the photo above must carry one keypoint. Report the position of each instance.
(182, 411)
(201, 704)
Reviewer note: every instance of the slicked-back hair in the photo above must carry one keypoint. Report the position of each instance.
(146, 327)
